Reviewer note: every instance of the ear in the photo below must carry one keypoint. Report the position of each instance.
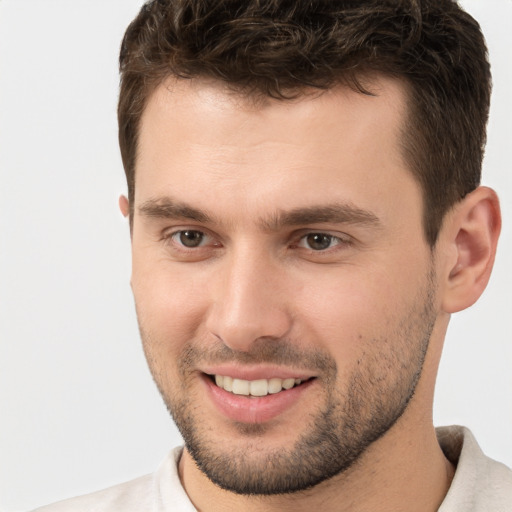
(472, 235)
(124, 205)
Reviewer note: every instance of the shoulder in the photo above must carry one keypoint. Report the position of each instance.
(480, 483)
(156, 492)
(134, 495)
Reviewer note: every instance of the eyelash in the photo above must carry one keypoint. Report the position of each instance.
(334, 241)
(171, 238)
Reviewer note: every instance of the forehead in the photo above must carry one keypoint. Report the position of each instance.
(199, 140)
(193, 102)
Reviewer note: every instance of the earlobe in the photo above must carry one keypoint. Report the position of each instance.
(124, 205)
(474, 231)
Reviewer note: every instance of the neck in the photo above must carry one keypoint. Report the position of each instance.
(402, 471)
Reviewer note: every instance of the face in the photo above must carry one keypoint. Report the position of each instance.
(283, 285)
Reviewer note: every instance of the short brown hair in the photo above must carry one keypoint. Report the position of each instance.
(278, 48)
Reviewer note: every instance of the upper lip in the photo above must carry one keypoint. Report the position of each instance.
(256, 372)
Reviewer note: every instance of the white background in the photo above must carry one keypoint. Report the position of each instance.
(78, 409)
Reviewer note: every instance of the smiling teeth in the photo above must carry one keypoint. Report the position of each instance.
(261, 387)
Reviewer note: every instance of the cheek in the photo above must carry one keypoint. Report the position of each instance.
(169, 314)
(346, 311)
(170, 301)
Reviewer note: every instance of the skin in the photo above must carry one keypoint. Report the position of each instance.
(375, 303)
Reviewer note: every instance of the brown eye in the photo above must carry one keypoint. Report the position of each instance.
(190, 238)
(319, 241)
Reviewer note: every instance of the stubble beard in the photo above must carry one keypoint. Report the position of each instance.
(378, 392)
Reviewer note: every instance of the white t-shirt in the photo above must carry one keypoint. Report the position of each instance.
(480, 484)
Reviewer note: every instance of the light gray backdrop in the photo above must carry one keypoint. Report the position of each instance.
(78, 409)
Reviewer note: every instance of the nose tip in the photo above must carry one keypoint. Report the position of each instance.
(246, 308)
(240, 331)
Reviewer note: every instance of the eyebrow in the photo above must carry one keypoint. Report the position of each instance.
(166, 208)
(335, 213)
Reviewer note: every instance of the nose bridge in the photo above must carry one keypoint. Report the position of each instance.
(248, 301)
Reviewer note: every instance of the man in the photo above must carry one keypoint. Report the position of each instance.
(305, 212)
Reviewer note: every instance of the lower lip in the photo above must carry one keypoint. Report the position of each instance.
(246, 409)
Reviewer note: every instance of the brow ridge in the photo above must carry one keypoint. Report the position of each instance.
(335, 213)
(167, 208)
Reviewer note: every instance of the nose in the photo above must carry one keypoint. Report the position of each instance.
(249, 301)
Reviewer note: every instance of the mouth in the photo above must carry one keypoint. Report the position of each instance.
(257, 395)
(256, 388)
